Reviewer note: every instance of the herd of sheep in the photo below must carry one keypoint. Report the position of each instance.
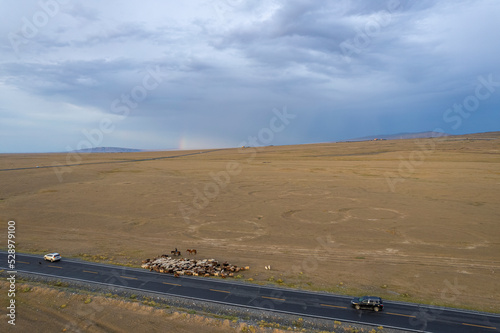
(184, 266)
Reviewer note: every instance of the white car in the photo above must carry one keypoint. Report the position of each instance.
(52, 257)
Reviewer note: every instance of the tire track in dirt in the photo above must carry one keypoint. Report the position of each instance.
(114, 162)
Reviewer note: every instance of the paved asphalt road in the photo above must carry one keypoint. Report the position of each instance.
(412, 317)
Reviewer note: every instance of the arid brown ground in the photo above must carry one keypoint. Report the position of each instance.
(416, 218)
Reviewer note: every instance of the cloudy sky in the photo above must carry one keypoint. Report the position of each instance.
(202, 74)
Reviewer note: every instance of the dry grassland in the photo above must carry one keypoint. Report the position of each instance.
(49, 310)
(406, 219)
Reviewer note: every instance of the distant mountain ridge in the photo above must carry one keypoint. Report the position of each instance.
(108, 150)
(399, 136)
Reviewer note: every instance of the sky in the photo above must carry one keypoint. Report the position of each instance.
(227, 73)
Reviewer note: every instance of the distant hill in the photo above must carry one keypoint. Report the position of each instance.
(108, 150)
(400, 136)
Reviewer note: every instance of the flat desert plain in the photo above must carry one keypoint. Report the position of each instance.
(415, 220)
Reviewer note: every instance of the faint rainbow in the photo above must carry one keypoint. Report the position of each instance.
(182, 143)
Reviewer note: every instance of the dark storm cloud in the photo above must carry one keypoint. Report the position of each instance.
(345, 68)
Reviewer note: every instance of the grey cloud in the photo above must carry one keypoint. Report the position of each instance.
(80, 11)
(233, 61)
(125, 32)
